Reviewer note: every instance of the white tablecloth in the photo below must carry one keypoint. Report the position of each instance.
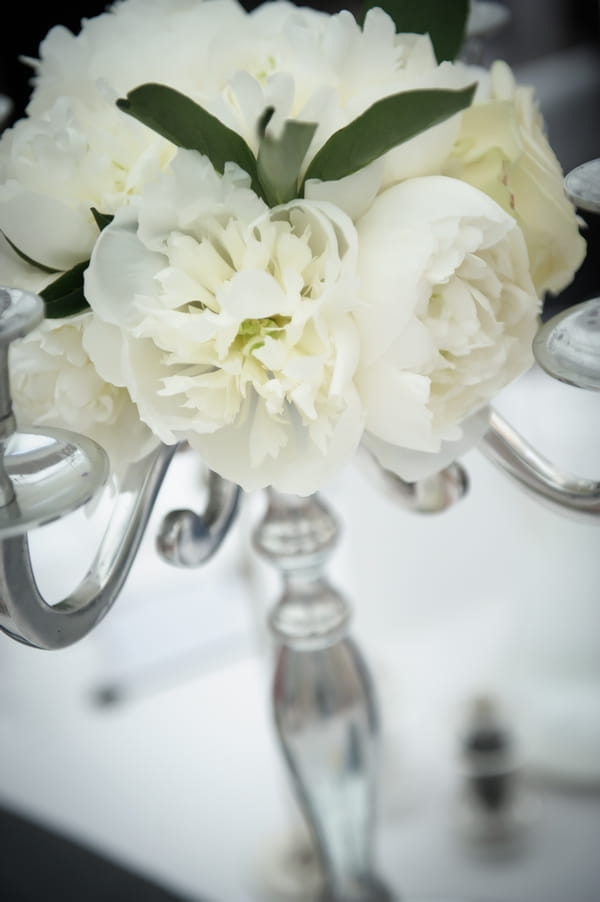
(183, 780)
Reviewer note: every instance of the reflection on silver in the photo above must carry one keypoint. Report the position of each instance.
(582, 185)
(432, 495)
(52, 473)
(323, 699)
(565, 493)
(24, 613)
(47, 474)
(567, 347)
(187, 539)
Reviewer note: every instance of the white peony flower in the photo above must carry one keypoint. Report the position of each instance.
(235, 323)
(413, 465)
(304, 63)
(16, 273)
(248, 331)
(448, 316)
(503, 150)
(54, 383)
(173, 42)
(55, 169)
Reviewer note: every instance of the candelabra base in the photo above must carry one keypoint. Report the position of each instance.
(292, 872)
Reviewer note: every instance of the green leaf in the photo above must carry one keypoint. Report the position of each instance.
(102, 219)
(444, 20)
(264, 119)
(279, 160)
(184, 122)
(64, 296)
(387, 123)
(27, 259)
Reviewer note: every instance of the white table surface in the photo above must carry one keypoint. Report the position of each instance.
(182, 779)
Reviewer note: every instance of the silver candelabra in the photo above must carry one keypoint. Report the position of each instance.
(323, 701)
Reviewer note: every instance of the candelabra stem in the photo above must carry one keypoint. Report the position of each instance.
(324, 705)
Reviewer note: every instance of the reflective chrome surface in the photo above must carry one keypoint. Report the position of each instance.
(20, 312)
(323, 699)
(187, 539)
(567, 347)
(24, 613)
(582, 185)
(47, 474)
(326, 722)
(432, 495)
(564, 492)
(52, 473)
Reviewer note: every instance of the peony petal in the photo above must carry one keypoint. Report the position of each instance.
(299, 468)
(46, 229)
(252, 295)
(353, 194)
(120, 269)
(396, 405)
(415, 465)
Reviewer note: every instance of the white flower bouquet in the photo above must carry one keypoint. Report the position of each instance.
(278, 234)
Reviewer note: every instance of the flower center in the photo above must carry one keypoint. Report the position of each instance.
(252, 332)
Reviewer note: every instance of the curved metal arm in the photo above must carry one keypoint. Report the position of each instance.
(567, 494)
(431, 495)
(187, 539)
(25, 615)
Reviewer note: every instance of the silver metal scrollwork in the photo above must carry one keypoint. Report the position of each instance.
(47, 474)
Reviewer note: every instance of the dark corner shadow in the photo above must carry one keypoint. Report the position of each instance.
(40, 865)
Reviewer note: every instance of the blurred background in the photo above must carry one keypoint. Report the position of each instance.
(142, 765)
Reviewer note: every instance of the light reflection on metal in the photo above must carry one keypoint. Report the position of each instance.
(46, 474)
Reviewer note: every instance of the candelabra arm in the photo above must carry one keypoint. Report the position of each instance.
(566, 493)
(24, 613)
(188, 539)
(432, 495)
